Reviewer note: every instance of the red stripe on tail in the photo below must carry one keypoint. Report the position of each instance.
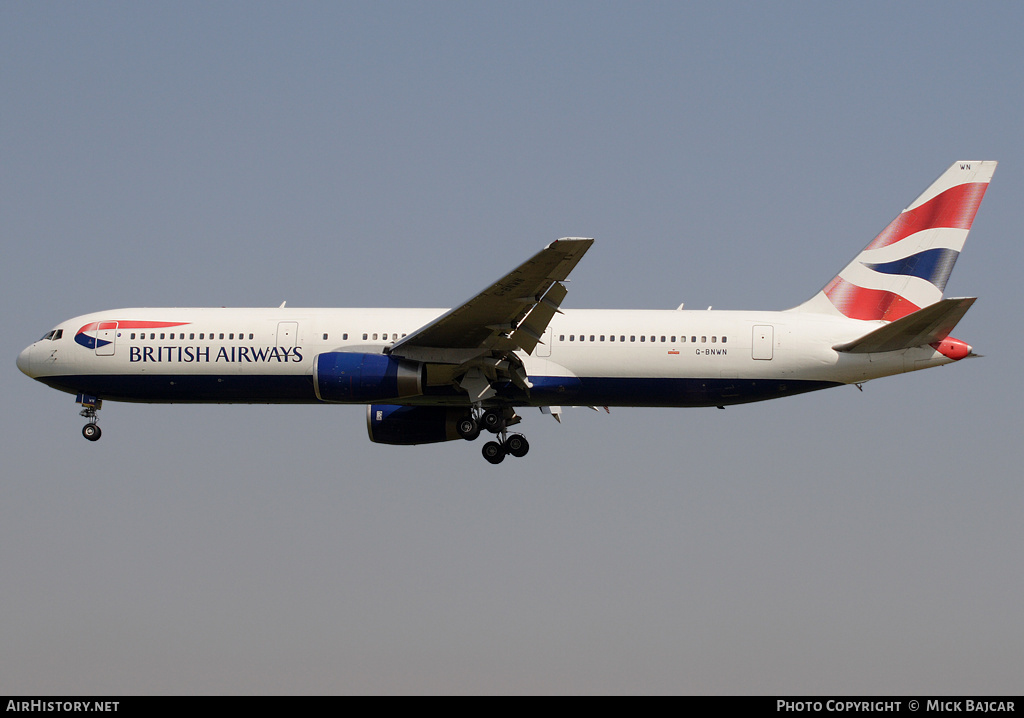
(955, 208)
(869, 304)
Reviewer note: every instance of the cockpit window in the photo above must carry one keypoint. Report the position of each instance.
(52, 335)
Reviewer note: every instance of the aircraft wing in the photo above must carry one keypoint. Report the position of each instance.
(512, 313)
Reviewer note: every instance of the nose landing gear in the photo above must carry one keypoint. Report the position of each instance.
(90, 405)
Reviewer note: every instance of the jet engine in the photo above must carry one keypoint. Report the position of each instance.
(390, 424)
(354, 377)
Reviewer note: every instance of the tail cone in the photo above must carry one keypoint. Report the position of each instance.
(952, 348)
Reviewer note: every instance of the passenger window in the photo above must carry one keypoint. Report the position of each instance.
(724, 339)
(325, 336)
(703, 340)
(643, 338)
(375, 335)
(231, 335)
(622, 337)
(632, 337)
(663, 339)
(364, 337)
(192, 335)
(133, 335)
(602, 337)
(611, 338)
(345, 336)
(561, 337)
(693, 339)
(714, 339)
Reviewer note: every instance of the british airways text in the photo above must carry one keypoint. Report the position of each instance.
(186, 355)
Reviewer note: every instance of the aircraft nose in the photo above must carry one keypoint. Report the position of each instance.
(25, 361)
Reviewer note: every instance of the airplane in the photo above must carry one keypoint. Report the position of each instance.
(432, 375)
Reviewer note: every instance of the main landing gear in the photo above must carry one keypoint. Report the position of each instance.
(496, 421)
(90, 405)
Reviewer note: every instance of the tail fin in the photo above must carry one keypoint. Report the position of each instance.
(906, 267)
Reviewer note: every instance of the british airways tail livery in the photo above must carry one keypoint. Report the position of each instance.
(429, 375)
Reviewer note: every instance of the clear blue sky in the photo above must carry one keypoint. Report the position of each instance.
(406, 154)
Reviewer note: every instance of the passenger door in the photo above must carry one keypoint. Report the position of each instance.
(106, 339)
(763, 341)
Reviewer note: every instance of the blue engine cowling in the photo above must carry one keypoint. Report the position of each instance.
(353, 377)
(390, 424)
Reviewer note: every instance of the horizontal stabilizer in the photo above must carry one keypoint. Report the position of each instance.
(925, 326)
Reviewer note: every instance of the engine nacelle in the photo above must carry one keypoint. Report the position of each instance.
(353, 377)
(390, 424)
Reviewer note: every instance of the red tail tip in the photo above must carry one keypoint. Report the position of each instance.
(952, 348)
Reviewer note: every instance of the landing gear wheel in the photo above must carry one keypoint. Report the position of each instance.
(493, 452)
(467, 428)
(517, 445)
(91, 432)
(493, 421)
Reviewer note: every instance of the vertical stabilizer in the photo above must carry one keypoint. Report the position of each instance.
(906, 267)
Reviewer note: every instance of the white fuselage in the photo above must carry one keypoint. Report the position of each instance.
(620, 357)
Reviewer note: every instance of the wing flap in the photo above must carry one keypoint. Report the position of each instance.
(925, 326)
(529, 332)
